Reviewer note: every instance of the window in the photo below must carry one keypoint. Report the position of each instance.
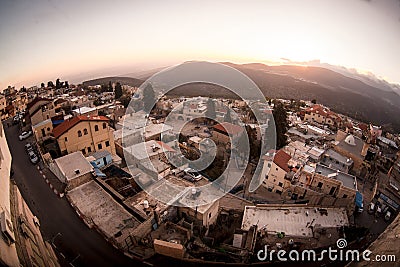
(269, 165)
(209, 215)
(104, 125)
(320, 185)
(48, 129)
(344, 196)
(96, 128)
(276, 169)
(107, 143)
(266, 177)
(79, 133)
(99, 146)
(65, 139)
(83, 151)
(89, 149)
(280, 184)
(85, 132)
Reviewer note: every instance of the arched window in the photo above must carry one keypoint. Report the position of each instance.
(79, 133)
(96, 128)
(85, 132)
(104, 125)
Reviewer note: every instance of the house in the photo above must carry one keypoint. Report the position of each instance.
(101, 158)
(226, 132)
(274, 173)
(282, 223)
(322, 115)
(43, 130)
(86, 134)
(353, 147)
(333, 159)
(150, 156)
(72, 169)
(324, 186)
(41, 109)
(204, 215)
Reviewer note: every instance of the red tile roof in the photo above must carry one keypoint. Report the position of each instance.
(227, 127)
(323, 111)
(68, 124)
(165, 146)
(35, 100)
(281, 159)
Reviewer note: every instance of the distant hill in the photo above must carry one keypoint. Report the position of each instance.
(343, 94)
(105, 80)
(348, 95)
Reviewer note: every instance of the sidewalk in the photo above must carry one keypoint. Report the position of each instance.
(56, 185)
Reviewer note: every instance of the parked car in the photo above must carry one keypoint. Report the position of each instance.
(371, 208)
(188, 178)
(33, 158)
(28, 147)
(25, 135)
(388, 215)
(378, 211)
(196, 175)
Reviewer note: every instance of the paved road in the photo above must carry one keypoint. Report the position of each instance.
(59, 222)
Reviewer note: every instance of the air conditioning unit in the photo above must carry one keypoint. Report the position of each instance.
(7, 227)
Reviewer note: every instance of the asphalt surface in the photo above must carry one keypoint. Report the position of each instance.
(75, 244)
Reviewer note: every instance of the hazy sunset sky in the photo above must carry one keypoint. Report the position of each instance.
(43, 40)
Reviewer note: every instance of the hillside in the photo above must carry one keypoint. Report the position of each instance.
(341, 93)
(105, 80)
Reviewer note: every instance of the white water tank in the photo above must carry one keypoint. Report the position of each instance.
(146, 204)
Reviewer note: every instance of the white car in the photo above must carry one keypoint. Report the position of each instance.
(33, 158)
(25, 135)
(371, 208)
(195, 174)
(388, 215)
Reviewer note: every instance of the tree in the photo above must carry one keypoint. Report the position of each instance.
(227, 117)
(280, 117)
(97, 102)
(50, 84)
(42, 85)
(66, 85)
(148, 98)
(110, 88)
(58, 84)
(125, 100)
(118, 90)
(314, 101)
(104, 88)
(243, 144)
(210, 113)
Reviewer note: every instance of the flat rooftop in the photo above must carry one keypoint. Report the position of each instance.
(73, 165)
(347, 179)
(137, 203)
(293, 220)
(95, 203)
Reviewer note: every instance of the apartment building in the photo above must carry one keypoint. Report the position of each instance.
(87, 134)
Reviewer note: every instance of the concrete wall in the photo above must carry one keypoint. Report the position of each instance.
(8, 252)
(276, 175)
(144, 228)
(71, 184)
(169, 249)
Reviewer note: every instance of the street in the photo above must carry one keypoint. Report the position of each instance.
(75, 244)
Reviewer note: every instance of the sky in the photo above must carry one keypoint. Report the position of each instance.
(45, 40)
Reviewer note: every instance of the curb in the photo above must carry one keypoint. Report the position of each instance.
(60, 195)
